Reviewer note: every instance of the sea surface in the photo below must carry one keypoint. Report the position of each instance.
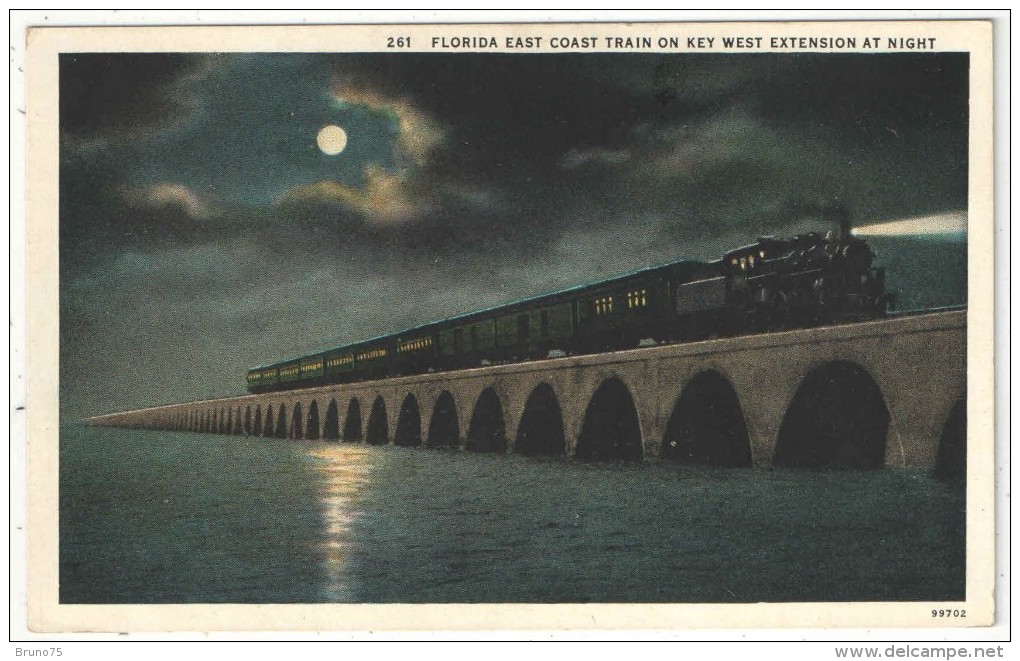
(157, 517)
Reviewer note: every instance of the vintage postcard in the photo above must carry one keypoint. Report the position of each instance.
(510, 326)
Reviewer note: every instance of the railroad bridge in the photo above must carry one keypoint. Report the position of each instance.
(889, 392)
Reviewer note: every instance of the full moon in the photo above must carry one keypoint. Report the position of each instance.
(331, 139)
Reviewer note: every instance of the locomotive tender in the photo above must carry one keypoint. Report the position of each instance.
(772, 284)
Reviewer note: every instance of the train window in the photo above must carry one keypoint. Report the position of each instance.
(750, 261)
(637, 299)
(474, 338)
(544, 322)
(523, 327)
(762, 254)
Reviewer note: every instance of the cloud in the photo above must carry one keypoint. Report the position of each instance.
(108, 97)
(576, 158)
(690, 149)
(385, 198)
(169, 196)
(418, 133)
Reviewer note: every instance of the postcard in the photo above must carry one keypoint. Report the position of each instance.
(510, 326)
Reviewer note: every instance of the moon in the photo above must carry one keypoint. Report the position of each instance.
(331, 139)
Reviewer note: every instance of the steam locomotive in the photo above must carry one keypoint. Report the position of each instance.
(772, 284)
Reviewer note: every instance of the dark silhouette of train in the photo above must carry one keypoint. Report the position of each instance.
(772, 284)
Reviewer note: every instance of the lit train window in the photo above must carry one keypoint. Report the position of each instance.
(743, 263)
(637, 299)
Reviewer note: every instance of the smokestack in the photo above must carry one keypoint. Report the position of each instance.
(842, 216)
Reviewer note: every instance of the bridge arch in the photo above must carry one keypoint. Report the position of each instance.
(409, 422)
(269, 426)
(281, 422)
(247, 420)
(352, 421)
(951, 460)
(256, 429)
(610, 429)
(444, 427)
(296, 429)
(707, 424)
(331, 425)
(540, 431)
(487, 430)
(838, 418)
(378, 428)
(312, 424)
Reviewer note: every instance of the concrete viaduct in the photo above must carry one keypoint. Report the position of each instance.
(890, 392)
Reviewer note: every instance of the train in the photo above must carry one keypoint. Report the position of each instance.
(769, 285)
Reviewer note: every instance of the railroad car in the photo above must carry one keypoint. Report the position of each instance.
(771, 284)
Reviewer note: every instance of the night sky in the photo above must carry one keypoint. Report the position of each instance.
(204, 232)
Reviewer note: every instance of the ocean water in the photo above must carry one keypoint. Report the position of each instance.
(157, 517)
